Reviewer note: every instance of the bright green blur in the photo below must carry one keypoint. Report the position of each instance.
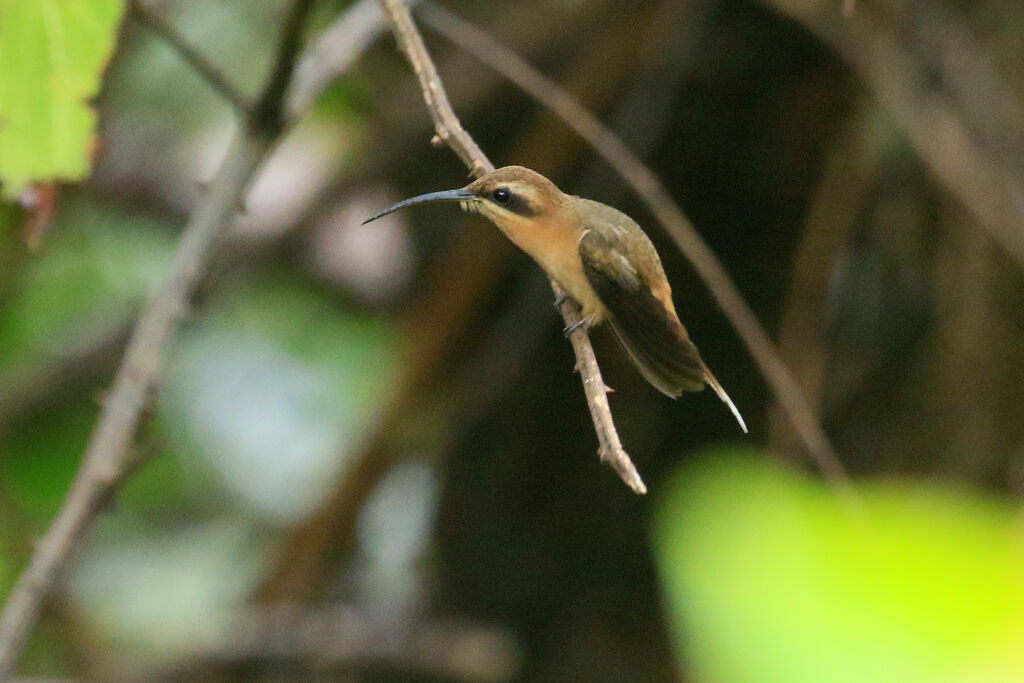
(769, 578)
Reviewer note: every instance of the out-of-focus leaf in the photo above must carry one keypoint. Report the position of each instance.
(40, 458)
(273, 388)
(5, 577)
(769, 578)
(12, 253)
(52, 54)
(180, 588)
(95, 270)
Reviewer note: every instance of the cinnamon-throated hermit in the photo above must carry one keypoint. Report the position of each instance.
(600, 257)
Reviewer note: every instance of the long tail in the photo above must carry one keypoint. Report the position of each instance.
(669, 360)
(713, 383)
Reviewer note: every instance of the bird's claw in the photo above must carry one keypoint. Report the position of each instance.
(569, 329)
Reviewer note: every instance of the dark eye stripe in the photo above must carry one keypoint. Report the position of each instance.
(517, 204)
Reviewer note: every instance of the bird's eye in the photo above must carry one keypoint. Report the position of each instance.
(502, 195)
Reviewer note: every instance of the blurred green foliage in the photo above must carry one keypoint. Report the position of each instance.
(481, 497)
(770, 578)
(51, 60)
(267, 391)
(97, 267)
(80, 291)
(267, 394)
(272, 389)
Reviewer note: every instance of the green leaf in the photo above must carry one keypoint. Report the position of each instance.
(770, 578)
(52, 54)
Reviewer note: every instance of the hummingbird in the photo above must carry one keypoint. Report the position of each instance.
(599, 257)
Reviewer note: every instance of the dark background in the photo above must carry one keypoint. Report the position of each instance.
(379, 426)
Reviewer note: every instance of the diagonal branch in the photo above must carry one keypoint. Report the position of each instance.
(333, 53)
(447, 125)
(119, 420)
(268, 112)
(105, 464)
(649, 188)
(946, 143)
(451, 133)
(211, 73)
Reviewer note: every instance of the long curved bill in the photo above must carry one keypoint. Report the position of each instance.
(460, 195)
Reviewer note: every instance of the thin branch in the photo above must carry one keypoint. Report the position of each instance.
(968, 75)
(649, 188)
(944, 141)
(105, 462)
(333, 53)
(610, 448)
(119, 419)
(446, 124)
(451, 133)
(268, 113)
(214, 77)
(846, 178)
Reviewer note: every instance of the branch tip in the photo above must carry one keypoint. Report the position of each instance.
(646, 185)
(449, 130)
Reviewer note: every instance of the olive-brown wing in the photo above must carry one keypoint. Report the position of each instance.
(614, 262)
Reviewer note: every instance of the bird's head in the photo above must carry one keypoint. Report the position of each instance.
(507, 196)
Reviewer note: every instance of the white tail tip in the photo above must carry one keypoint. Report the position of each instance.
(713, 383)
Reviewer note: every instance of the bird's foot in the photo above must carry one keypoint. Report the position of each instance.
(569, 329)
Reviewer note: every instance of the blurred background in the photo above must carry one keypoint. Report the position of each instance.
(369, 458)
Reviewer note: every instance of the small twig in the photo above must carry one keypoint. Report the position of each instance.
(105, 461)
(446, 124)
(450, 132)
(610, 448)
(649, 188)
(214, 77)
(268, 113)
(333, 53)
